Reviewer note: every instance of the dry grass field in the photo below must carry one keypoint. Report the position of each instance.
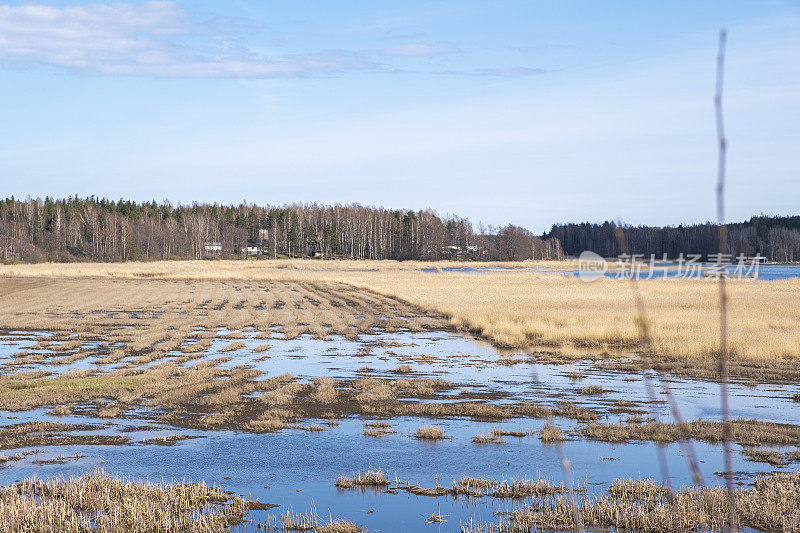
(513, 307)
(521, 310)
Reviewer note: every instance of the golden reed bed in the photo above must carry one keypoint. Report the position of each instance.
(519, 308)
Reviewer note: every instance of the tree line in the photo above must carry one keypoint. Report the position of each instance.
(775, 237)
(98, 229)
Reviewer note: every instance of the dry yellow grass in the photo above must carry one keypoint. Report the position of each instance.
(769, 504)
(266, 424)
(494, 437)
(324, 390)
(252, 270)
(100, 502)
(290, 521)
(374, 477)
(429, 433)
(551, 433)
(520, 308)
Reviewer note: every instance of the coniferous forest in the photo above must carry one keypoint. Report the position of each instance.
(776, 238)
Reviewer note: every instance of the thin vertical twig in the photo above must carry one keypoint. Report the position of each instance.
(723, 294)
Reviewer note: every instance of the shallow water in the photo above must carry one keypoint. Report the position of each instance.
(296, 469)
(474, 366)
(471, 365)
(765, 272)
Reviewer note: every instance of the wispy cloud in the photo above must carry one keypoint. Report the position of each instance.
(160, 39)
(143, 40)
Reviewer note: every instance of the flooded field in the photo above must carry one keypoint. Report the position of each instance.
(296, 466)
(335, 404)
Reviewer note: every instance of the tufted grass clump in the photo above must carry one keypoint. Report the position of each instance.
(551, 433)
(374, 477)
(429, 433)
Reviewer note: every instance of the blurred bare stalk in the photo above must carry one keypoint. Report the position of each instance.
(723, 294)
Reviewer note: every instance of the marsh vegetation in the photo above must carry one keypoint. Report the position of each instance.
(99, 501)
(380, 367)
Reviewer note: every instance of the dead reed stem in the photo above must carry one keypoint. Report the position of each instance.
(723, 294)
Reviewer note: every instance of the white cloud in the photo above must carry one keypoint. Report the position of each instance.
(143, 39)
(159, 39)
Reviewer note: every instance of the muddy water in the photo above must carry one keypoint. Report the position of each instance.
(296, 469)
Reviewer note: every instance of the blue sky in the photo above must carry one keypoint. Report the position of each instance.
(500, 111)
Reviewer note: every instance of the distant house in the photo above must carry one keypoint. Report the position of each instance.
(253, 250)
(212, 246)
(317, 255)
